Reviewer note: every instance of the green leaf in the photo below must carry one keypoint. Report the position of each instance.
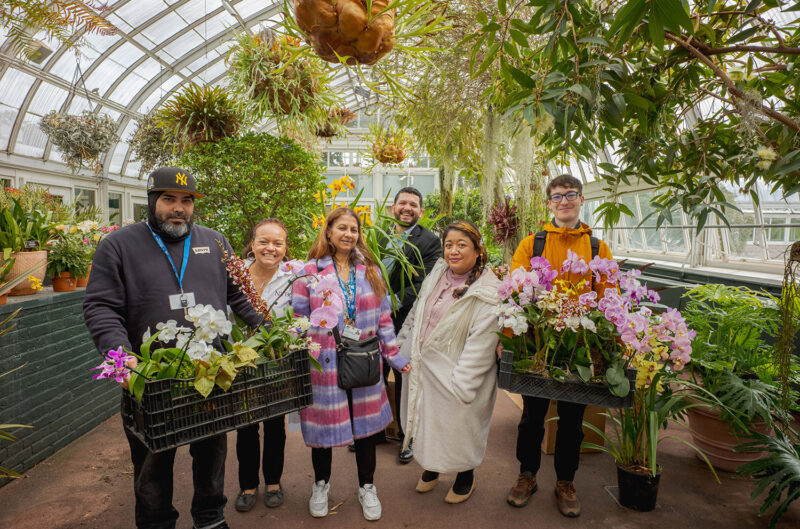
(521, 78)
(502, 7)
(584, 372)
(482, 18)
(674, 15)
(752, 6)
(701, 220)
(655, 27)
(488, 59)
(743, 35)
(519, 38)
(583, 91)
(592, 39)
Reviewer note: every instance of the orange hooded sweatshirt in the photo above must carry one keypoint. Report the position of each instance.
(559, 240)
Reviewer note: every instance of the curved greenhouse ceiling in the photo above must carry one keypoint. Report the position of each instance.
(159, 46)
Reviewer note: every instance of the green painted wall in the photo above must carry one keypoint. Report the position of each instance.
(53, 391)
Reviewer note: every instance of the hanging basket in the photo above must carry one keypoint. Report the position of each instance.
(388, 152)
(82, 139)
(338, 118)
(343, 28)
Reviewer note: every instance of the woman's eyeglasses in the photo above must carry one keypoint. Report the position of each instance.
(571, 196)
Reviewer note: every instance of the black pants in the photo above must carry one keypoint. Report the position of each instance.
(568, 437)
(152, 483)
(321, 459)
(248, 452)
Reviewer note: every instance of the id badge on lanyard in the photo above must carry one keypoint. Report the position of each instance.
(183, 300)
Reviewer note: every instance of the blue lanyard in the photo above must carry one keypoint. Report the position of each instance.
(186, 245)
(349, 301)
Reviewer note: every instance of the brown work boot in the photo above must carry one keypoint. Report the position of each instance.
(567, 499)
(523, 489)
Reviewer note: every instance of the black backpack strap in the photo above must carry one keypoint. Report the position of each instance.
(595, 246)
(538, 243)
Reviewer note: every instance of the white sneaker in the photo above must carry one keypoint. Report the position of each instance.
(318, 504)
(370, 504)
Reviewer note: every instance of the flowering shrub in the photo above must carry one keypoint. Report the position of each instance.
(561, 329)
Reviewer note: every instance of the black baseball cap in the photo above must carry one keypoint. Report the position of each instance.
(172, 179)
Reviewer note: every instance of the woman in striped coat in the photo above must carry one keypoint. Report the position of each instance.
(338, 417)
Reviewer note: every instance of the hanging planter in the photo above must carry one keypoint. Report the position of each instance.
(81, 139)
(150, 147)
(389, 144)
(344, 28)
(336, 124)
(268, 73)
(198, 114)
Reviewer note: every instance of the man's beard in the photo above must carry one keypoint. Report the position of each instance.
(414, 218)
(174, 230)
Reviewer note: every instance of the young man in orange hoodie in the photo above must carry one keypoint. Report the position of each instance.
(564, 232)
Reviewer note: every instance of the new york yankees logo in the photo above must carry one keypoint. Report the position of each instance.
(180, 178)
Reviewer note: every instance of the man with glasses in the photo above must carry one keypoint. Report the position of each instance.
(565, 232)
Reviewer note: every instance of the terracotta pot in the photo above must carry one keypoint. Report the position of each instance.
(64, 282)
(638, 490)
(23, 261)
(3, 299)
(717, 440)
(83, 281)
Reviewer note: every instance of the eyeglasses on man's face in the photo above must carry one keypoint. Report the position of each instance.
(571, 196)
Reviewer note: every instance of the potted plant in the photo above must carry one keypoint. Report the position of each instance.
(732, 358)
(81, 139)
(347, 30)
(274, 81)
(150, 146)
(199, 114)
(68, 259)
(658, 399)
(336, 122)
(389, 144)
(25, 234)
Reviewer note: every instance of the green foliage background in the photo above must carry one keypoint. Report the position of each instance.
(252, 177)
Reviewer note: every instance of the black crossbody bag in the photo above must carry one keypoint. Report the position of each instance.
(358, 361)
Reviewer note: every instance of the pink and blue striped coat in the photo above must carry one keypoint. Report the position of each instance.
(327, 422)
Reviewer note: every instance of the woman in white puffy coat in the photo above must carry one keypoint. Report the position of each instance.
(450, 336)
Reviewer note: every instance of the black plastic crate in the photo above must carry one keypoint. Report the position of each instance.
(172, 413)
(596, 394)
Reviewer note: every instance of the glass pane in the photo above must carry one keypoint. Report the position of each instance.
(79, 104)
(210, 74)
(335, 159)
(47, 98)
(652, 236)
(775, 234)
(195, 10)
(392, 183)
(635, 239)
(183, 44)
(215, 26)
(115, 208)
(7, 118)
(246, 8)
(126, 54)
(794, 232)
(128, 88)
(742, 239)
(14, 87)
(118, 157)
(31, 140)
(84, 198)
(65, 67)
(105, 71)
(139, 211)
(424, 183)
(135, 13)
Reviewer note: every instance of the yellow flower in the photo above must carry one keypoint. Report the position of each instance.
(347, 182)
(73, 229)
(320, 196)
(96, 237)
(35, 284)
(318, 221)
(646, 371)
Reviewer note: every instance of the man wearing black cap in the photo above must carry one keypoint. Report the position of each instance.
(150, 272)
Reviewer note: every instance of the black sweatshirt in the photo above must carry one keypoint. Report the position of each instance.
(131, 282)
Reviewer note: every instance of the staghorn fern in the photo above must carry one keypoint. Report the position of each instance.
(779, 471)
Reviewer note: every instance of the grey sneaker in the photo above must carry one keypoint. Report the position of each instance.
(273, 498)
(318, 504)
(370, 504)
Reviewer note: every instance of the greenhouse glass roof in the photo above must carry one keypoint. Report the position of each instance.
(160, 45)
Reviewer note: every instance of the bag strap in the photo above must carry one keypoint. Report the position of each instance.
(541, 237)
(337, 337)
(538, 243)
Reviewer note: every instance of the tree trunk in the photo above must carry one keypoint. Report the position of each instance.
(447, 177)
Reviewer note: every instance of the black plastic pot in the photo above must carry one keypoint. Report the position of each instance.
(637, 490)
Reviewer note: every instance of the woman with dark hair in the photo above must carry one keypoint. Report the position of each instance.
(450, 337)
(267, 247)
(337, 417)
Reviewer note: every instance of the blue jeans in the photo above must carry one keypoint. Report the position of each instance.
(152, 483)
